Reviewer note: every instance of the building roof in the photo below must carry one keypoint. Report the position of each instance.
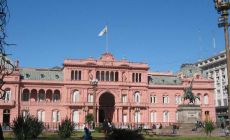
(41, 74)
(164, 80)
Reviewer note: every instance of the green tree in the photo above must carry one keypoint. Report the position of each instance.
(65, 128)
(208, 127)
(26, 127)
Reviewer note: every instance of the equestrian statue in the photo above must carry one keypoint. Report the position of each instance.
(188, 94)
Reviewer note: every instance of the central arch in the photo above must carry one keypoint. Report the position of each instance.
(106, 107)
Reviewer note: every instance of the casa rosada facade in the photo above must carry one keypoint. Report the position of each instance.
(126, 93)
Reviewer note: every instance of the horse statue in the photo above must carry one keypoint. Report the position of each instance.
(188, 94)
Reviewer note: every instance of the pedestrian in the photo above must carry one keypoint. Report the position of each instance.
(87, 134)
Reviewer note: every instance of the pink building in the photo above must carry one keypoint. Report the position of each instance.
(127, 93)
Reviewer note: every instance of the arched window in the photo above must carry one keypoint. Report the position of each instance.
(90, 98)
(206, 99)
(137, 97)
(76, 96)
(137, 117)
(41, 95)
(153, 116)
(56, 96)
(41, 115)
(8, 95)
(25, 95)
(165, 116)
(76, 117)
(198, 101)
(56, 116)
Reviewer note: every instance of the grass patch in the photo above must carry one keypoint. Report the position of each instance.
(100, 136)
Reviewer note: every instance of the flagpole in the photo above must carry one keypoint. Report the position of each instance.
(106, 41)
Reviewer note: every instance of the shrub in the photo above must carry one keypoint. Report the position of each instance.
(26, 127)
(89, 118)
(65, 128)
(124, 134)
(99, 128)
(208, 127)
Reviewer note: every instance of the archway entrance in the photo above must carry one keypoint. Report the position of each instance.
(106, 107)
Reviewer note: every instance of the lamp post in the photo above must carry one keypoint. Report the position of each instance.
(222, 7)
(94, 83)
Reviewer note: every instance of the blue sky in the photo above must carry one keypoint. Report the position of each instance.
(162, 33)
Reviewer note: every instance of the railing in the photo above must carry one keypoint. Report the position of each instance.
(7, 103)
(38, 103)
(74, 104)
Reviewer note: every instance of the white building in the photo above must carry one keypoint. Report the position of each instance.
(215, 68)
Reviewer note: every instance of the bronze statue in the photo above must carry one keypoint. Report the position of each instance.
(188, 94)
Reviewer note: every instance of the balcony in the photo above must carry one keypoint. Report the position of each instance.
(74, 104)
(123, 104)
(41, 103)
(7, 103)
(138, 104)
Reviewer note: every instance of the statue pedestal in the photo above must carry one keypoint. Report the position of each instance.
(189, 113)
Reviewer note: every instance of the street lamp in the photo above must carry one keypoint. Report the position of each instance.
(222, 7)
(94, 83)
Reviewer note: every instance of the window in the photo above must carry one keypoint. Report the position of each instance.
(112, 76)
(41, 95)
(198, 100)
(56, 116)
(116, 76)
(76, 117)
(153, 116)
(165, 116)
(205, 99)
(25, 113)
(90, 98)
(102, 76)
(75, 75)
(25, 95)
(41, 115)
(165, 99)
(136, 77)
(76, 96)
(124, 98)
(153, 99)
(56, 96)
(177, 116)
(107, 76)
(137, 97)
(137, 117)
(178, 99)
(225, 102)
(8, 95)
(72, 75)
(218, 102)
(98, 77)
(42, 76)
